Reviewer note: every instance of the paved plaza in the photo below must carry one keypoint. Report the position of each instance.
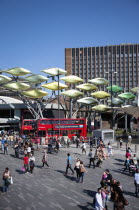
(50, 189)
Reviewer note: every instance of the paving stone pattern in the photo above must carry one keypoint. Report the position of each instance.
(50, 189)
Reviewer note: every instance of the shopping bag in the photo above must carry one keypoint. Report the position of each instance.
(11, 180)
(23, 169)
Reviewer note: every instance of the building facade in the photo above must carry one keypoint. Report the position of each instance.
(93, 62)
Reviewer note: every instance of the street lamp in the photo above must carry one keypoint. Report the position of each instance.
(111, 73)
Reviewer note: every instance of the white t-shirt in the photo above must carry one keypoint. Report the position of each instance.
(136, 177)
(84, 146)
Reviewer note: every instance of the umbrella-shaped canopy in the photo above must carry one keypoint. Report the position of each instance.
(16, 86)
(101, 108)
(100, 94)
(36, 79)
(35, 93)
(54, 71)
(72, 79)
(116, 101)
(54, 86)
(87, 87)
(135, 89)
(4, 79)
(115, 88)
(126, 96)
(72, 93)
(17, 71)
(99, 81)
(87, 100)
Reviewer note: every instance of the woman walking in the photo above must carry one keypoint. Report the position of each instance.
(45, 159)
(31, 163)
(82, 170)
(77, 169)
(6, 180)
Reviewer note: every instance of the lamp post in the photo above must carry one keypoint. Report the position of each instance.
(58, 108)
(111, 73)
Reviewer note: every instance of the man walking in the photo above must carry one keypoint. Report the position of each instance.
(69, 162)
(92, 158)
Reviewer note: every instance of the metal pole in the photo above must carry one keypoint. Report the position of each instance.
(111, 97)
(58, 108)
(70, 107)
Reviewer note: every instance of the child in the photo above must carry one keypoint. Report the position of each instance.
(104, 176)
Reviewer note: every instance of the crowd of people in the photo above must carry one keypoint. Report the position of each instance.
(110, 188)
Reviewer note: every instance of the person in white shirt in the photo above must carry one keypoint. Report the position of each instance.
(136, 180)
(84, 147)
(31, 163)
(110, 153)
(98, 200)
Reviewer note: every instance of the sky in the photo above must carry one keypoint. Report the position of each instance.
(35, 33)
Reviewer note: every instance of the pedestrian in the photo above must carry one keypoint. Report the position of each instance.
(121, 142)
(16, 149)
(91, 158)
(31, 163)
(77, 142)
(83, 147)
(6, 180)
(82, 170)
(26, 163)
(129, 139)
(69, 163)
(77, 164)
(45, 160)
(127, 163)
(91, 143)
(5, 148)
(57, 145)
(136, 180)
(110, 153)
(98, 200)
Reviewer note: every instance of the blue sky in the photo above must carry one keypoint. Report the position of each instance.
(34, 33)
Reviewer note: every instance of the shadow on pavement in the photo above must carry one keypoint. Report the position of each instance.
(119, 164)
(21, 158)
(87, 207)
(19, 171)
(120, 160)
(129, 193)
(90, 193)
(38, 166)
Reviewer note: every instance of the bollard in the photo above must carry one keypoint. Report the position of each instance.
(136, 148)
(118, 145)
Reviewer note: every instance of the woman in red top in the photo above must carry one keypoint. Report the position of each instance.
(26, 162)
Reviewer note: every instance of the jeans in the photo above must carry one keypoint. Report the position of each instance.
(26, 167)
(69, 167)
(77, 173)
(92, 160)
(81, 176)
(5, 186)
(6, 150)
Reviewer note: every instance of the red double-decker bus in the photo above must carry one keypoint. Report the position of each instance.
(67, 127)
(46, 127)
(28, 127)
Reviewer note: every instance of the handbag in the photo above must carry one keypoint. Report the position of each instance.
(23, 169)
(82, 169)
(126, 203)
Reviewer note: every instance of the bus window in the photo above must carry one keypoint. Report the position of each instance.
(64, 133)
(26, 123)
(26, 132)
(41, 133)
